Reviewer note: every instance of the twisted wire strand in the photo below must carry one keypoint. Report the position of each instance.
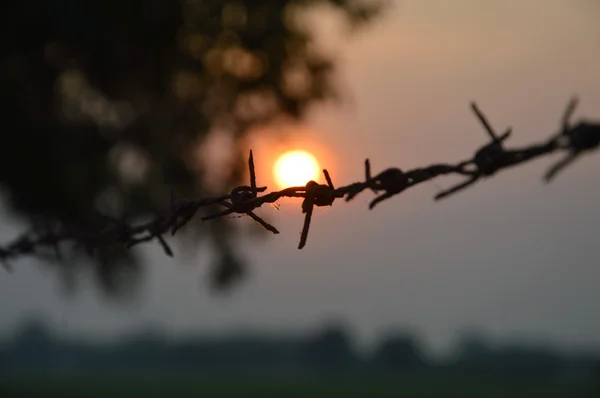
(489, 159)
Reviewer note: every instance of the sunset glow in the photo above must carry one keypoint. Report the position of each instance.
(296, 168)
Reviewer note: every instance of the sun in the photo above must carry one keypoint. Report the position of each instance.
(296, 168)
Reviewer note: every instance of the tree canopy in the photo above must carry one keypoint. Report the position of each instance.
(107, 104)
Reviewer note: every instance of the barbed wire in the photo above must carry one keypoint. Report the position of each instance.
(488, 160)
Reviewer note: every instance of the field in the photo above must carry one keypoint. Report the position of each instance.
(306, 388)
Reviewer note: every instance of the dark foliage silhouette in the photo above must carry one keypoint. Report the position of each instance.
(104, 103)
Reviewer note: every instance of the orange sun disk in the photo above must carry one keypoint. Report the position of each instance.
(295, 168)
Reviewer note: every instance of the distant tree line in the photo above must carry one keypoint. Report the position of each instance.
(326, 352)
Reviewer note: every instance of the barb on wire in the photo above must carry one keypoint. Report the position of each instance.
(574, 140)
(487, 160)
(391, 181)
(155, 229)
(182, 211)
(582, 138)
(315, 195)
(243, 200)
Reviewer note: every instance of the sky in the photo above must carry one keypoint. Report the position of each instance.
(511, 256)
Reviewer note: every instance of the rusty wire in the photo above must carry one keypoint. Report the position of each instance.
(489, 159)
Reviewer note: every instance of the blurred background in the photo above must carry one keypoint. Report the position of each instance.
(106, 105)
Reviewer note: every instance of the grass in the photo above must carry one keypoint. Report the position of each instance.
(92, 388)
